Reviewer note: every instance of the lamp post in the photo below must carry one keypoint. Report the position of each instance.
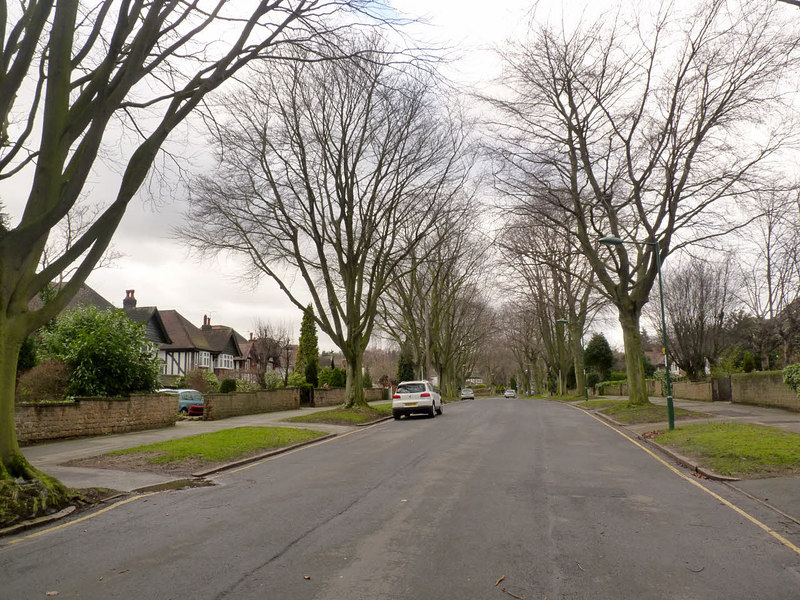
(583, 359)
(611, 240)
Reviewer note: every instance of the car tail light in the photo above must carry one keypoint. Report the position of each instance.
(396, 397)
(425, 395)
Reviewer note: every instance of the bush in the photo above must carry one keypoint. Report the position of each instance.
(592, 379)
(296, 380)
(46, 382)
(202, 380)
(312, 373)
(106, 353)
(227, 386)
(272, 380)
(333, 377)
(791, 376)
(367, 380)
(618, 376)
(27, 355)
(245, 386)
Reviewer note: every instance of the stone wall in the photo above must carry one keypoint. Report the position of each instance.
(234, 404)
(336, 396)
(692, 390)
(764, 388)
(37, 422)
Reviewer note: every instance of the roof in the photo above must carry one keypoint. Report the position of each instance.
(183, 334)
(149, 315)
(85, 296)
(219, 336)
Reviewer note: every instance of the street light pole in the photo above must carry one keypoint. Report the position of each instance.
(615, 241)
(583, 357)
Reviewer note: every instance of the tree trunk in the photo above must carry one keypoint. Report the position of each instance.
(354, 390)
(577, 351)
(634, 363)
(25, 492)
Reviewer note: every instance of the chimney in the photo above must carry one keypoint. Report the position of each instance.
(130, 300)
(206, 322)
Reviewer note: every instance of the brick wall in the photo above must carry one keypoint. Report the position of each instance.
(221, 406)
(336, 396)
(692, 390)
(37, 422)
(763, 389)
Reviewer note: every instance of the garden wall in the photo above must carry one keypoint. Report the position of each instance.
(234, 404)
(336, 396)
(692, 390)
(621, 389)
(37, 422)
(764, 388)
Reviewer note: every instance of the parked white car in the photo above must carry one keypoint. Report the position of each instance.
(509, 393)
(416, 397)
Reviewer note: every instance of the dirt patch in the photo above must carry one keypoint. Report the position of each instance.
(141, 462)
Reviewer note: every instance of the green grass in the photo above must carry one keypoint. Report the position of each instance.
(737, 449)
(225, 445)
(647, 413)
(601, 403)
(346, 416)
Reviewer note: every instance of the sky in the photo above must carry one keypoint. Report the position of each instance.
(162, 271)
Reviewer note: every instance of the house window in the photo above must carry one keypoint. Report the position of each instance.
(205, 359)
(225, 361)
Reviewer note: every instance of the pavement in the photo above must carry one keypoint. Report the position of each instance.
(782, 493)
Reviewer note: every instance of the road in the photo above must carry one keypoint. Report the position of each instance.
(556, 503)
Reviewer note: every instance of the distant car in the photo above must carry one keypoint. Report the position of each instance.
(415, 397)
(509, 393)
(190, 402)
(467, 394)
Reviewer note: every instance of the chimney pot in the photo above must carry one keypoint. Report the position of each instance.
(130, 299)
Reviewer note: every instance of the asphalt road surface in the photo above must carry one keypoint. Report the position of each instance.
(494, 499)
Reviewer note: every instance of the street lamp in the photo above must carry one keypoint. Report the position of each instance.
(611, 240)
(583, 358)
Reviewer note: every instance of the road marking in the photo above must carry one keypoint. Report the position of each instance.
(76, 521)
(695, 482)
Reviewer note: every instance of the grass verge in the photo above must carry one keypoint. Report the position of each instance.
(346, 416)
(647, 413)
(737, 449)
(222, 446)
(601, 403)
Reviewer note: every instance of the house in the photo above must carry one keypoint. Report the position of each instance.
(225, 347)
(86, 296)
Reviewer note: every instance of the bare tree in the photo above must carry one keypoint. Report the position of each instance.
(439, 305)
(331, 173)
(645, 131)
(273, 349)
(771, 272)
(71, 70)
(699, 302)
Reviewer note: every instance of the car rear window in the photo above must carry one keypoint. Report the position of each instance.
(411, 388)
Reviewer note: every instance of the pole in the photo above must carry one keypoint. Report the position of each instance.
(670, 407)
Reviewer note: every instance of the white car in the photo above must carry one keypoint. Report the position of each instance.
(509, 393)
(416, 397)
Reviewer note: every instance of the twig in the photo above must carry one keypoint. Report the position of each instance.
(512, 595)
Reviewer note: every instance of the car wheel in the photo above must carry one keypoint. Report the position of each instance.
(397, 415)
(433, 410)
(184, 411)
(441, 408)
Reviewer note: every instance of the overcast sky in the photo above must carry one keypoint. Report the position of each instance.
(160, 269)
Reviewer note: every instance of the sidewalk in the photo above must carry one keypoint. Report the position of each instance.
(782, 493)
(51, 456)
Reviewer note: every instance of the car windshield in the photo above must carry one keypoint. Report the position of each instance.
(411, 388)
(467, 390)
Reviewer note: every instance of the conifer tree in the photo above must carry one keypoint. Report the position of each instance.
(307, 361)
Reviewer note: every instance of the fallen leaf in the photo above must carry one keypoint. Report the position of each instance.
(306, 577)
(499, 580)
(51, 594)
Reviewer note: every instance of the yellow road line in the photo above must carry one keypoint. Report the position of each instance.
(695, 482)
(76, 521)
(139, 497)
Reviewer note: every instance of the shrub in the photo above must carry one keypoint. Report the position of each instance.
(106, 353)
(227, 385)
(367, 380)
(312, 373)
(272, 380)
(27, 355)
(333, 377)
(791, 376)
(592, 379)
(45, 382)
(202, 380)
(618, 376)
(245, 386)
(296, 380)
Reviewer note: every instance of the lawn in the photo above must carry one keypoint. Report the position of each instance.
(346, 416)
(222, 446)
(601, 403)
(737, 449)
(647, 413)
